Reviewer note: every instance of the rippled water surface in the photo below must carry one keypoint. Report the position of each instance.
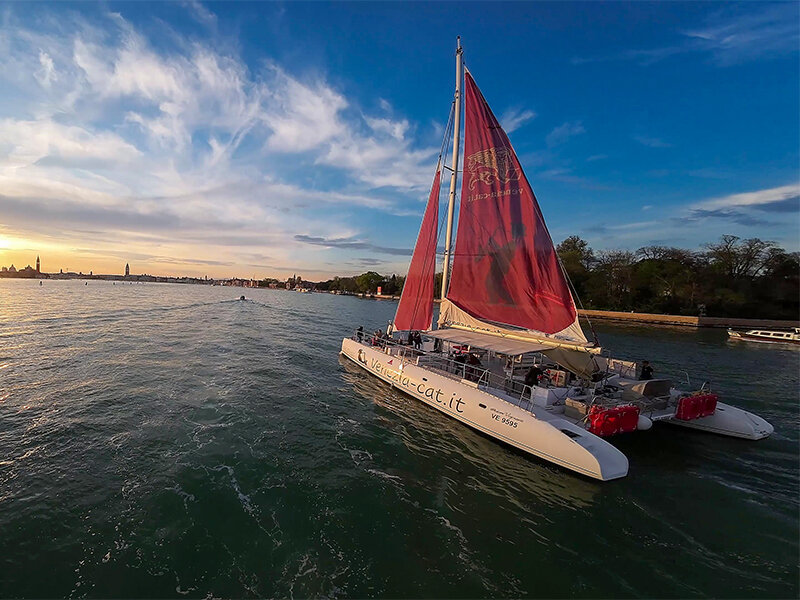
(167, 441)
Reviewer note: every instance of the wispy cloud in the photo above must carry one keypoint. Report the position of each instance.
(47, 73)
(513, 119)
(350, 243)
(564, 132)
(769, 30)
(201, 13)
(734, 34)
(734, 213)
(184, 148)
(739, 217)
(760, 199)
(739, 208)
(652, 142)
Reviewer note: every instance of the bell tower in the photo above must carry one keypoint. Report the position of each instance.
(38, 265)
(127, 270)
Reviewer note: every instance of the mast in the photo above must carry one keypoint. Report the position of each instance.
(454, 174)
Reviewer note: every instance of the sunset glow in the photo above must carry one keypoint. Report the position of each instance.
(183, 140)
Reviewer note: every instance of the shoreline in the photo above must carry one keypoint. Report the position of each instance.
(639, 318)
(662, 319)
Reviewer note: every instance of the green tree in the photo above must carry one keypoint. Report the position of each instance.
(577, 258)
(367, 283)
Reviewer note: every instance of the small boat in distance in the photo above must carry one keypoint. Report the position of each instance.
(509, 357)
(768, 336)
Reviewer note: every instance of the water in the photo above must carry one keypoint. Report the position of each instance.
(168, 441)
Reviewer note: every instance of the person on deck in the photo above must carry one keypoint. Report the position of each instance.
(458, 363)
(473, 362)
(532, 376)
(417, 340)
(647, 371)
(360, 333)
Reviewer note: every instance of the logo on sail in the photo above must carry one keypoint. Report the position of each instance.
(494, 164)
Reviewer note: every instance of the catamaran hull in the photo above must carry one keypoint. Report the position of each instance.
(731, 421)
(546, 436)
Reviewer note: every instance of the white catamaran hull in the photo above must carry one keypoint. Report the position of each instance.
(731, 421)
(540, 433)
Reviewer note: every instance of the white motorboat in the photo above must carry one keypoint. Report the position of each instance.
(769, 336)
(507, 309)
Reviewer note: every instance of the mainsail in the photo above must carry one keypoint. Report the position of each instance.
(505, 269)
(415, 311)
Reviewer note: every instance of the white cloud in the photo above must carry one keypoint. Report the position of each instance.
(387, 162)
(742, 36)
(396, 129)
(752, 199)
(202, 14)
(513, 119)
(302, 117)
(47, 73)
(734, 34)
(187, 148)
(563, 133)
(27, 142)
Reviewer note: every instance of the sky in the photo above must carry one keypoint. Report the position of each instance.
(268, 139)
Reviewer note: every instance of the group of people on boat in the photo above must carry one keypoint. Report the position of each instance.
(379, 338)
(469, 364)
(415, 339)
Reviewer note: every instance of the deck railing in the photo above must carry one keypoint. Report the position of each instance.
(514, 391)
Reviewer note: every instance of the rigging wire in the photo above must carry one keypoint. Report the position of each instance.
(433, 255)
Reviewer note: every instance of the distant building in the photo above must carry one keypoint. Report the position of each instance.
(38, 265)
(12, 269)
(127, 270)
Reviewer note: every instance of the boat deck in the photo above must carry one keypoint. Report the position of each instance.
(495, 375)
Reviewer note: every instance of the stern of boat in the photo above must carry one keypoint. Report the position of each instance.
(731, 421)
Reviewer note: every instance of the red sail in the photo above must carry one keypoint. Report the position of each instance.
(415, 311)
(505, 268)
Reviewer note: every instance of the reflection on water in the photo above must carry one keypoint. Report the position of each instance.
(493, 468)
(168, 440)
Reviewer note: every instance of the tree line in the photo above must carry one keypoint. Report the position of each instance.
(733, 277)
(366, 283)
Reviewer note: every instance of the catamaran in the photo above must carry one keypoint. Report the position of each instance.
(507, 309)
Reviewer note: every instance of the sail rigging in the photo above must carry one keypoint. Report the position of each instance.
(415, 311)
(505, 268)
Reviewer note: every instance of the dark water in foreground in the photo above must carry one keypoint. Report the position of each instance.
(169, 441)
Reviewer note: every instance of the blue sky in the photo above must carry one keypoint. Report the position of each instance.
(271, 138)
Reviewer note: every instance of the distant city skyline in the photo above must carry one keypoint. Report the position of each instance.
(264, 139)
